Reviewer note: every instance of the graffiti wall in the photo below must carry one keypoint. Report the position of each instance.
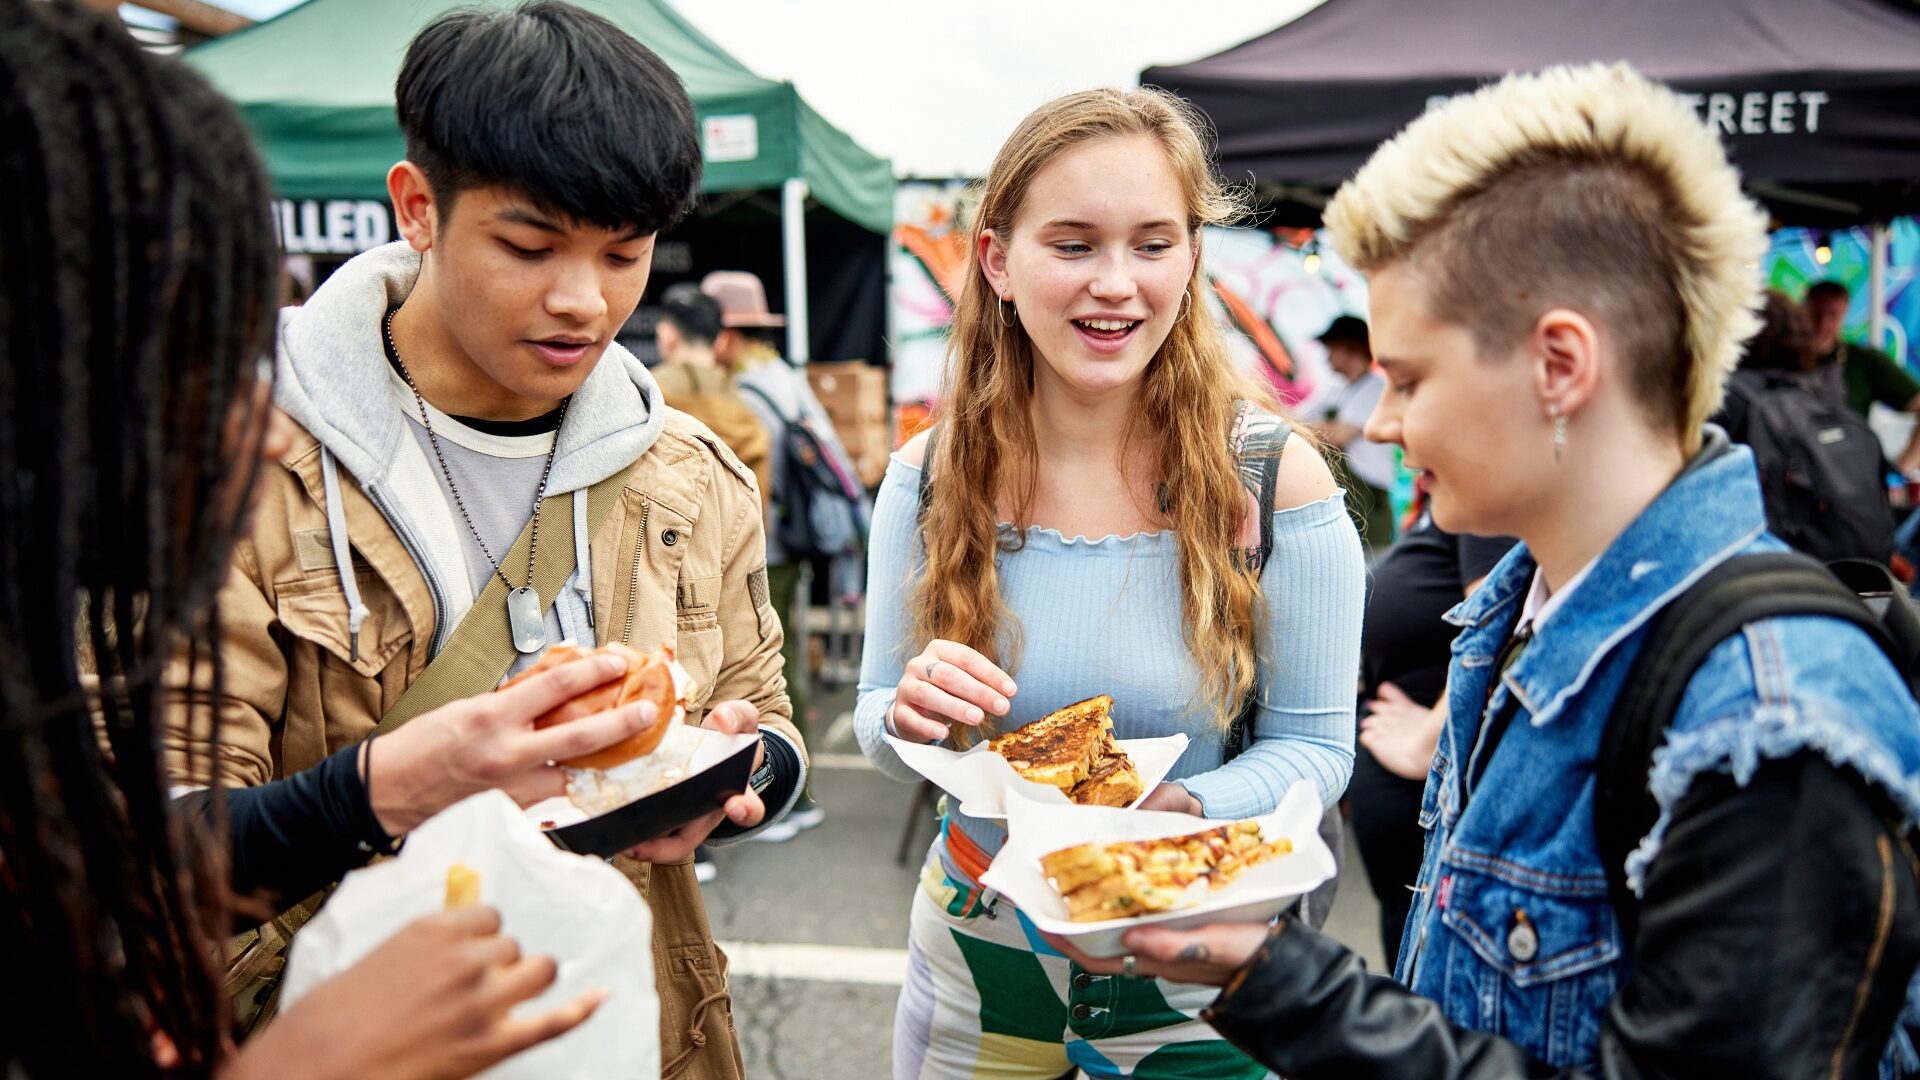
(1793, 263)
(1274, 291)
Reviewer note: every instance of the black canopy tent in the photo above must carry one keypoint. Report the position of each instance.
(1818, 101)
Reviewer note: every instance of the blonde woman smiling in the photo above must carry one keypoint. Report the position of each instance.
(1086, 524)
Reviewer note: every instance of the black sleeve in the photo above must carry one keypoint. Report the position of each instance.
(1778, 931)
(1478, 555)
(292, 837)
(786, 777)
(1779, 928)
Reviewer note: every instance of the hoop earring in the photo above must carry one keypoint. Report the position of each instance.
(1000, 305)
(1186, 304)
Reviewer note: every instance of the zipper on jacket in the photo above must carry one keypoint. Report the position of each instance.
(633, 584)
(1883, 927)
(418, 554)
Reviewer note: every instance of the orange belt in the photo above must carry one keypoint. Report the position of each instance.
(967, 856)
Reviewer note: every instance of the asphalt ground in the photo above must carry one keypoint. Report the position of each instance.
(816, 928)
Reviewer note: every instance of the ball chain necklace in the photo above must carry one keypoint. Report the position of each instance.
(524, 619)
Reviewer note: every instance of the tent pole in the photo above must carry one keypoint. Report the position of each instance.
(793, 243)
(1877, 284)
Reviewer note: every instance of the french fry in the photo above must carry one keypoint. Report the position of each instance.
(463, 886)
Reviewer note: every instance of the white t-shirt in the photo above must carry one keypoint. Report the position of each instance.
(1352, 404)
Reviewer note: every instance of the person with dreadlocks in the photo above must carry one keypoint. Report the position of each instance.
(137, 280)
(481, 471)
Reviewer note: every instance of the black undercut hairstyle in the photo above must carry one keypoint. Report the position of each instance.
(695, 314)
(138, 271)
(555, 103)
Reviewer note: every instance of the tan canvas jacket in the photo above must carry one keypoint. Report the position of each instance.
(683, 557)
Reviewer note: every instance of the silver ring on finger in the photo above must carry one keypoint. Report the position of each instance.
(1129, 967)
(931, 664)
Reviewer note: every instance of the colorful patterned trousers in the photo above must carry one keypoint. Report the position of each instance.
(986, 998)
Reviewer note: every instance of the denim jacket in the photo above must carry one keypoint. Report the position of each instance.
(1512, 930)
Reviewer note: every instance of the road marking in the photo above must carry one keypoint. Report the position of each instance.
(816, 963)
(839, 761)
(840, 732)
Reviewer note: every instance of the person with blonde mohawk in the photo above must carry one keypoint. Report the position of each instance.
(1561, 275)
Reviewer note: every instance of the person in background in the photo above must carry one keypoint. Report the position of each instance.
(1768, 923)
(1405, 646)
(1339, 419)
(1867, 375)
(779, 394)
(693, 381)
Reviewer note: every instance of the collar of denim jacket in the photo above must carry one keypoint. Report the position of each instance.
(1710, 512)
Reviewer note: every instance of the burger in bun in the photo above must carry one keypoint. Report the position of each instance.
(641, 764)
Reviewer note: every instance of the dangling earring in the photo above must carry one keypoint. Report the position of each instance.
(1000, 304)
(1559, 430)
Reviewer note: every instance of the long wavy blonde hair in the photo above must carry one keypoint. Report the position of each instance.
(1182, 418)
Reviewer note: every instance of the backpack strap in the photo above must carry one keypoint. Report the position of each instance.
(926, 476)
(1258, 439)
(1743, 590)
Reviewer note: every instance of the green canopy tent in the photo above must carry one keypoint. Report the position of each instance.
(316, 85)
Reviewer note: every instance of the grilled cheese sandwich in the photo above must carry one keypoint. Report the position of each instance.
(1139, 877)
(1073, 749)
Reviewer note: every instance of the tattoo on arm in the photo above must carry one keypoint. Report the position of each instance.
(1195, 954)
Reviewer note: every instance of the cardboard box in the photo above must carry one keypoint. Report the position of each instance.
(853, 392)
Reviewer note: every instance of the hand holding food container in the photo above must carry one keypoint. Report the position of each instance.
(1090, 874)
(1068, 757)
(658, 793)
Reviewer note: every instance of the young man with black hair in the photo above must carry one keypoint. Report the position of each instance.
(693, 381)
(481, 471)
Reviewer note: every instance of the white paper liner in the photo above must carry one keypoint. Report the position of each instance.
(576, 909)
(596, 791)
(980, 778)
(710, 749)
(1035, 828)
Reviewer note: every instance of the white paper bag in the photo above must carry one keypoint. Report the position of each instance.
(981, 779)
(576, 909)
(1258, 894)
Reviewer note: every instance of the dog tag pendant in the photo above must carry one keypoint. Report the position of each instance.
(524, 620)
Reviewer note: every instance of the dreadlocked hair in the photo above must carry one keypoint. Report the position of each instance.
(137, 274)
(1183, 415)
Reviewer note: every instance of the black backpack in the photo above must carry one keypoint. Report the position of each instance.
(1742, 590)
(1821, 471)
(818, 510)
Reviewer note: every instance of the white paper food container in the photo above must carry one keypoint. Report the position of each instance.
(1256, 896)
(718, 770)
(980, 778)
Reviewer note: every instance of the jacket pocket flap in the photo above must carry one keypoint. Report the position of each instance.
(315, 609)
(1535, 928)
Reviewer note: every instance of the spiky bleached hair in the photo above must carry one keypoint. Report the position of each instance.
(1586, 187)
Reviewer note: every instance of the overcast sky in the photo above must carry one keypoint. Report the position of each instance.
(937, 86)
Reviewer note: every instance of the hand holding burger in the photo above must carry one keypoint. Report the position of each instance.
(492, 741)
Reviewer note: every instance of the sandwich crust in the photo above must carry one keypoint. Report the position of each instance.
(1073, 749)
(1139, 877)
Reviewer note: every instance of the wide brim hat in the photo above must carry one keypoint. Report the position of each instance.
(742, 299)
